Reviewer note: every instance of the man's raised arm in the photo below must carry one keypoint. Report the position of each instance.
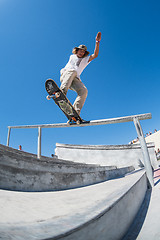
(96, 50)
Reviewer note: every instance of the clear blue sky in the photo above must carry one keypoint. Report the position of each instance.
(36, 40)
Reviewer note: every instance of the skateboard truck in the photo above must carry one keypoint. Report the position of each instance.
(56, 94)
(73, 120)
(76, 121)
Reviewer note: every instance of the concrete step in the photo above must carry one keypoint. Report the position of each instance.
(23, 172)
(13, 157)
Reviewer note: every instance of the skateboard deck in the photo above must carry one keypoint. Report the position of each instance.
(62, 101)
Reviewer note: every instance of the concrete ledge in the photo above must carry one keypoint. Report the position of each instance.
(86, 213)
(117, 155)
(24, 172)
(103, 147)
(31, 180)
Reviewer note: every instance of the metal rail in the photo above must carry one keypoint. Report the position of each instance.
(133, 118)
(91, 123)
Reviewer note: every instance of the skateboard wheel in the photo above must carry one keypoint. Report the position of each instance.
(57, 95)
(69, 121)
(78, 122)
(48, 97)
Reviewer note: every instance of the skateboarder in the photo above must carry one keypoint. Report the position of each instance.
(70, 74)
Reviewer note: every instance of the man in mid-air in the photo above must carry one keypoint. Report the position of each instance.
(70, 74)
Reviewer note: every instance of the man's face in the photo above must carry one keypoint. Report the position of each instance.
(80, 53)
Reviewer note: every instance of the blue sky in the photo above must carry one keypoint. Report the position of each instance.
(36, 40)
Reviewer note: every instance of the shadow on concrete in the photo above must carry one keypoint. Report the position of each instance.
(137, 224)
(157, 182)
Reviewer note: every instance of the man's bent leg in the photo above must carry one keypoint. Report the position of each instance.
(82, 92)
(66, 80)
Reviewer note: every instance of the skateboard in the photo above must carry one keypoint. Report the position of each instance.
(62, 101)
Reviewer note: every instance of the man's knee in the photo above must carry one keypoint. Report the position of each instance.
(83, 92)
(86, 92)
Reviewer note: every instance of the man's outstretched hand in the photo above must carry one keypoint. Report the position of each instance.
(98, 37)
(96, 50)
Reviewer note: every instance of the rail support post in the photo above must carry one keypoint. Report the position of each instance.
(8, 137)
(39, 143)
(146, 157)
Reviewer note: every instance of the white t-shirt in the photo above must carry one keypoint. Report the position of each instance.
(77, 64)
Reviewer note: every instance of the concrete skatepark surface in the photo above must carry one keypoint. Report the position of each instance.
(101, 211)
(85, 213)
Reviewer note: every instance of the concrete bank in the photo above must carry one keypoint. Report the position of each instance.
(101, 211)
(24, 172)
(146, 224)
(117, 155)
